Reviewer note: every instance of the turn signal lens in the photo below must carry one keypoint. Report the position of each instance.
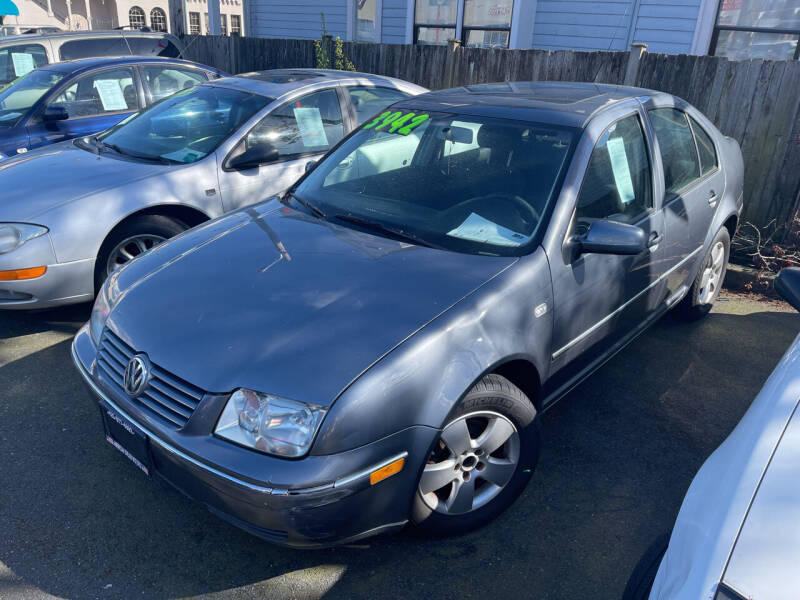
(19, 274)
(391, 469)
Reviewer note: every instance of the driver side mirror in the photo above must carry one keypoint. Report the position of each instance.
(253, 157)
(611, 237)
(55, 113)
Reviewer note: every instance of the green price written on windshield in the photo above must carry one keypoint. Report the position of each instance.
(397, 122)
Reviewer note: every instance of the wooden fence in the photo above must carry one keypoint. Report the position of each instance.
(756, 102)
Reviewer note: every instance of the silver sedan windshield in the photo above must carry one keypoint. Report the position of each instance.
(460, 182)
(185, 127)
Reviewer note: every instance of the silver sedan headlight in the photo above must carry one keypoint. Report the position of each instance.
(13, 235)
(103, 305)
(268, 423)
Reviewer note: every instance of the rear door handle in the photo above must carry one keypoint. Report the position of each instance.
(712, 197)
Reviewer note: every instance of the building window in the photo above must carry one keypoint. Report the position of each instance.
(158, 20)
(236, 25)
(136, 17)
(487, 23)
(207, 26)
(223, 24)
(766, 29)
(435, 21)
(365, 21)
(194, 23)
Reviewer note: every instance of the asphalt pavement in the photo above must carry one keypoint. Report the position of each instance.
(77, 520)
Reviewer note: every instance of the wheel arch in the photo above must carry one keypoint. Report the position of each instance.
(731, 224)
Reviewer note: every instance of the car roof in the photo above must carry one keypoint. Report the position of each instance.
(84, 34)
(274, 83)
(80, 64)
(570, 104)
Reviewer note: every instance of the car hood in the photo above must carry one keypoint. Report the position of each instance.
(71, 174)
(721, 494)
(274, 300)
(764, 560)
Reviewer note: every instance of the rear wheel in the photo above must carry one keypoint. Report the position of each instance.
(482, 461)
(706, 285)
(133, 239)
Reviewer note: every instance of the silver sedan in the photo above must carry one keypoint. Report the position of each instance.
(73, 212)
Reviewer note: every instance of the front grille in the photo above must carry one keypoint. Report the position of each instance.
(168, 398)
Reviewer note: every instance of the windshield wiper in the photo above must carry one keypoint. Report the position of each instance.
(381, 228)
(307, 204)
(90, 143)
(118, 150)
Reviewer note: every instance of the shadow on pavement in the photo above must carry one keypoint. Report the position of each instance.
(78, 520)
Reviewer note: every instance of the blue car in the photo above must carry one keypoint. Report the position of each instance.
(82, 97)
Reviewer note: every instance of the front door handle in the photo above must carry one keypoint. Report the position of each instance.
(654, 240)
(712, 197)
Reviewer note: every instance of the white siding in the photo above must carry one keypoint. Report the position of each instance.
(393, 26)
(297, 18)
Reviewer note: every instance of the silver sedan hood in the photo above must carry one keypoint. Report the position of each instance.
(36, 182)
(274, 300)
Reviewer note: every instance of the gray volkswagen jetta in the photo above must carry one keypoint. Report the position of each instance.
(374, 346)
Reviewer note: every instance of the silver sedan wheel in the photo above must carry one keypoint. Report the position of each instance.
(712, 275)
(130, 248)
(475, 458)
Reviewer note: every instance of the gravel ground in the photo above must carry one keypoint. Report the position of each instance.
(78, 521)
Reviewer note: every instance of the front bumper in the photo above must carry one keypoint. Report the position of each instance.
(310, 502)
(63, 283)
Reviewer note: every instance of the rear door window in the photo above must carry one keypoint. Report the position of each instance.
(678, 152)
(705, 148)
(368, 101)
(164, 81)
(99, 93)
(16, 61)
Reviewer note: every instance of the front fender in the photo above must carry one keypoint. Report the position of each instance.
(421, 380)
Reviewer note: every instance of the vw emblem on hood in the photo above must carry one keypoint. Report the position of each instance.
(137, 375)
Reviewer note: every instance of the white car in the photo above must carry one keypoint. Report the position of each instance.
(737, 535)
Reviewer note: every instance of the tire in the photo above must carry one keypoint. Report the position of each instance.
(644, 573)
(493, 406)
(704, 290)
(151, 229)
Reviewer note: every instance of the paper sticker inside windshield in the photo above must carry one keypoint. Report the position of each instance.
(312, 130)
(23, 63)
(477, 229)
(110, 94)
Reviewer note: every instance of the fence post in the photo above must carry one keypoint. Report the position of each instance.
(634, 59)
(450, 63)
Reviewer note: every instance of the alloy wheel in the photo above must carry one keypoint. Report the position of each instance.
(475, 458)
(712, 274)
(130, 248)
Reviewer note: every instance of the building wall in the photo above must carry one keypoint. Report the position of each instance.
(298, 18)
(226, 7)
(616, 24)
(393, 26)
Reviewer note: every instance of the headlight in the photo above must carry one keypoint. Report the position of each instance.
(268, 423)
(13, 235)
(103, 305)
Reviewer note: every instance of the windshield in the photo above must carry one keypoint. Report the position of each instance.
(470, 184)
(18, 97)
(184, 127)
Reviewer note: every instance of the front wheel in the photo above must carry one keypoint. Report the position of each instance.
(482, 461)
(133, 239)
(706, 285)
